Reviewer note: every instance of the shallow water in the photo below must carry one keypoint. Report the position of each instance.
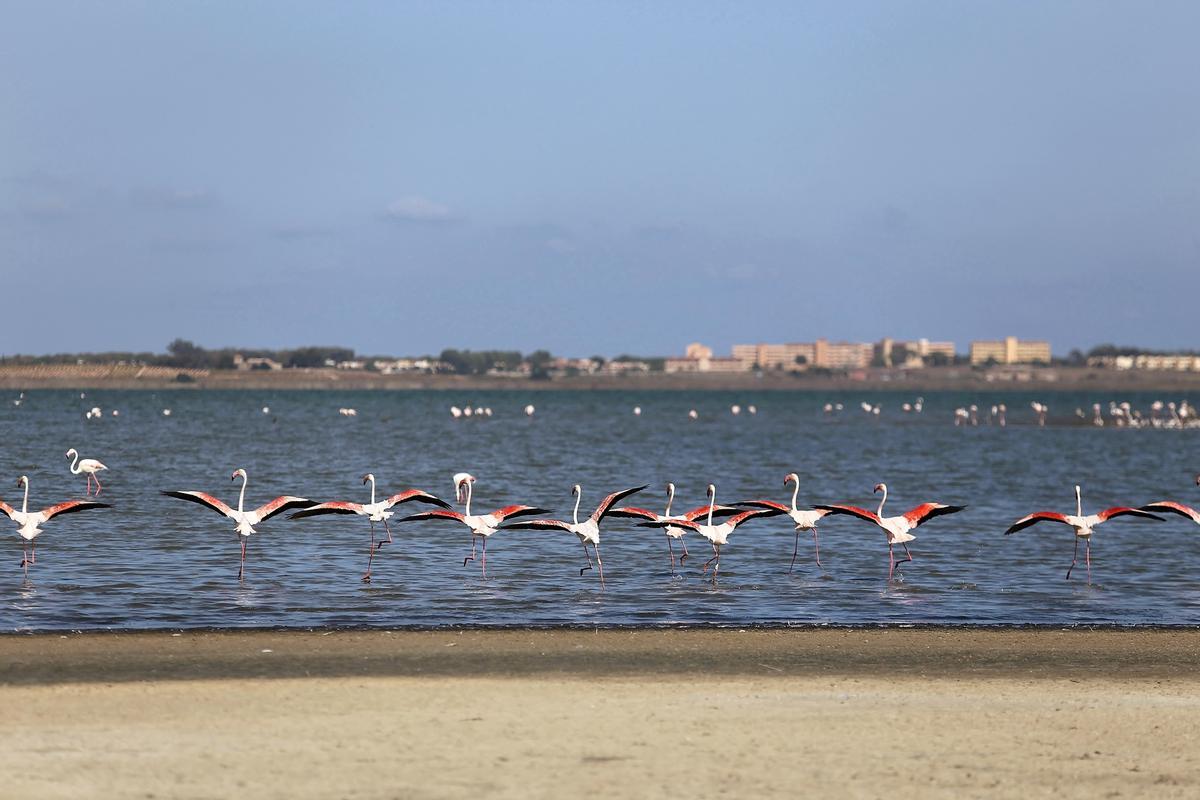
(155, 562)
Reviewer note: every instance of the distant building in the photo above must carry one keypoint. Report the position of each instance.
(239, 362)
(699, 358)
(842, 355)
(1179, 362)
(1010, 350)
(775, 356)
(912, 354)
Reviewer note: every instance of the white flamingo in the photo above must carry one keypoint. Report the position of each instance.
(805, 519)
(717, 535)
(1084, 526)
(29, 524)
(88, 466)
(671, 531)
(481, 525)
(897, 529)
(374, 511)
(245, 520)
(588, 531)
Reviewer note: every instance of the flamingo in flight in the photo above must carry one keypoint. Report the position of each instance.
(896, 528)
(481, 525)
(717, 535)
(672, 531)
(246, 520)
(29, 524)
(88, 466)
(588, 531)
(805, 519)
(373, 511)
(1171, 507)
(1084, 526)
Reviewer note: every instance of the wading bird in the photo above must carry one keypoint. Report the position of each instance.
(588, 531)
(896, 528)
(717, 535)
(1084, 526)
(672, 531)
(805, 519)
(88, 466)
(481, 525)
(246, 520)
(373, 511)
(28, 524)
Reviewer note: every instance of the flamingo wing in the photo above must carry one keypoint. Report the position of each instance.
(539, 525)
(204, 499)
(1124, 511)
(409, 495)
(927, 511)
(440, 513)
(277, 506)
(7, 509)
(719, 512)
(607, 503)
(1035, 518)
(854, 511)
(754, 513)
(507, 512)
(1171, 507)
(771, 504)
(635, 513)
(332, 507)
(70, 507)
(675, 522)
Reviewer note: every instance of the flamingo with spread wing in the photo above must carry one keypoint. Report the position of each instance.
(29, 523)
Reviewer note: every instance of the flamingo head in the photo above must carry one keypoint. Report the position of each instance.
(22, 482)
(461, 481)
(577, 490)
(671, 488)
(238, 473)
(370, 476)
(71, 453)
(712, 490)
(791, 476)
(879, 487)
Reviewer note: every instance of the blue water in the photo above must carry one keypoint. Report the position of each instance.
(154, 562)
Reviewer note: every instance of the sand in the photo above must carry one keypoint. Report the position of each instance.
(697, 713)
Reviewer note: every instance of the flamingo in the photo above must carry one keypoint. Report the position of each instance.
(672, 531)
(717, 535)
(246, 520)
(1172, 507)
(896, 528)
(88, 466)
(373, 511)
(806, 520)
(589, 529)
(481, 525)
(1084, 526)
(28, 524)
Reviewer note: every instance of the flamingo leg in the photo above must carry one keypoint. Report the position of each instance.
(716, 566)
(25, 562)
(1087, 556)
(485, 558)
(891, 561)
(96, 478)
(242, 563)
(817, 546)
(588, 556)
(685, 552)
(716, 555)
(1074, 558)
(371, 548)
(472, 556)
(671, 550)
(795, 549)
(599, 563)
(389, 533)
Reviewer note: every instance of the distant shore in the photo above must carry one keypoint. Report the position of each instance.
(942, 713)
(1031, 379)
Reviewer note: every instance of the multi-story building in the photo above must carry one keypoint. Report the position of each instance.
(1010, 350)
(774, 356)
(842, 355)
(699, 358)
(915, 353)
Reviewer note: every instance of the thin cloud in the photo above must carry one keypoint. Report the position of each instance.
(414, 208)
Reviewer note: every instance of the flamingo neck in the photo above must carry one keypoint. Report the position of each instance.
(795, 493)
(1078, 503)
(242, 494)
(882, 500)
(712, 504)
(575, 513)
(74, 469)
(670, 499)
(25, 502)
(372, 490)
(467, 509)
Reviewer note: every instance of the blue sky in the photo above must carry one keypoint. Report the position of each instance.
(597, 177)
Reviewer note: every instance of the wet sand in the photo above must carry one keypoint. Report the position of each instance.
(516, 713)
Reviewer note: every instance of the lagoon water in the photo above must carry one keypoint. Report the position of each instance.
(153, 562)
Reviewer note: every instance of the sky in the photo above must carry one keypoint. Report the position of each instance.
(597, 177)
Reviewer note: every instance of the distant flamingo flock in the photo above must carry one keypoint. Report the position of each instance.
(710, 521)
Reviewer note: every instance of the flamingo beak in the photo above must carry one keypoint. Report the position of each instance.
(366, 477)
(878, 488)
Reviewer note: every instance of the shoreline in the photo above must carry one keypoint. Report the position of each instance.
(1044, 653)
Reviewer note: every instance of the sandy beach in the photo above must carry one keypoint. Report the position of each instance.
(516, 713)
